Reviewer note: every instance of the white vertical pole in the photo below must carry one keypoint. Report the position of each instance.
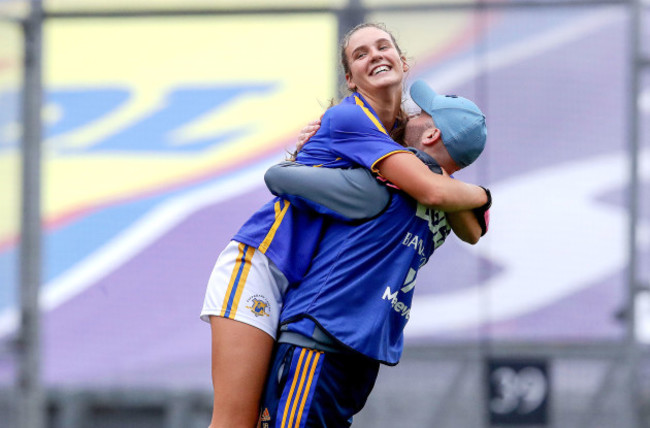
(31, 408)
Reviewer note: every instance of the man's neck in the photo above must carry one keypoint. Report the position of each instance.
(441, 155)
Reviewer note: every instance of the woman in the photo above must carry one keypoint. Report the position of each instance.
(275, 246)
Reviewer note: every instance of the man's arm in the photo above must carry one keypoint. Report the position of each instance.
(346, 194)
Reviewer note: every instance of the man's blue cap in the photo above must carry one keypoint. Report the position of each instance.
(461, 122)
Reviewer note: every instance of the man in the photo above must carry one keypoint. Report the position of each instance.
(274, 249)
(348, 314)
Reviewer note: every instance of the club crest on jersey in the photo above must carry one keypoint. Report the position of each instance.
(259, 305)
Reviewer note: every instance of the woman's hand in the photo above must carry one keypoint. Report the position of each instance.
(306, 133)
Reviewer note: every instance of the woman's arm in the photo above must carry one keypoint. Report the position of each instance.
(471, 225)
(465, 226)
(433, 190)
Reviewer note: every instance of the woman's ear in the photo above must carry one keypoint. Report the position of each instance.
(351, 84)
(405, 65)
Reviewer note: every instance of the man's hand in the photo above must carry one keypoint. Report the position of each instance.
(306, 133)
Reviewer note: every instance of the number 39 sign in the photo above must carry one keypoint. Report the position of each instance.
(518, 392)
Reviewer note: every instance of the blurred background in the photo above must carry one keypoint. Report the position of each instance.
(133, 140)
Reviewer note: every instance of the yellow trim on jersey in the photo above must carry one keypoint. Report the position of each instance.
(370, 115)
(372, 167)
(301, 384)
(293, 387)
(380, 127)
(320, 165)
(308, 386)
(248, 259)
(279, 215)
(239, 286)
(297, 399)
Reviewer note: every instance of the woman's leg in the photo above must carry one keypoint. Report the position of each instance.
(242, 303)
(240, 360)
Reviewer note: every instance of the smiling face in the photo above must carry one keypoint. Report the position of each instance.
(373, 61)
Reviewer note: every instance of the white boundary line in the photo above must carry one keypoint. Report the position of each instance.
(138, 237)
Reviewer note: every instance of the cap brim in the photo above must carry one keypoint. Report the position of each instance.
(423, 95)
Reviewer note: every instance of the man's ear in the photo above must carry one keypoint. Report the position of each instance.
(430, 137)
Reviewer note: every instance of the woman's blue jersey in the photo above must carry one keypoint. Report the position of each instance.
(360, 285)
(350, 135)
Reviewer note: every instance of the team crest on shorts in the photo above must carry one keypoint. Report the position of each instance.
(265, 417)
(259, 305)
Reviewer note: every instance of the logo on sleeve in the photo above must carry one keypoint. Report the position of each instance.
(259, 305)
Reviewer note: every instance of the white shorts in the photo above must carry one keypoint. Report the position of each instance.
(245, 286)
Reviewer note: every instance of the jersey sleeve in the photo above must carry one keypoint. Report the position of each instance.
(358, 135)
(345, 194)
